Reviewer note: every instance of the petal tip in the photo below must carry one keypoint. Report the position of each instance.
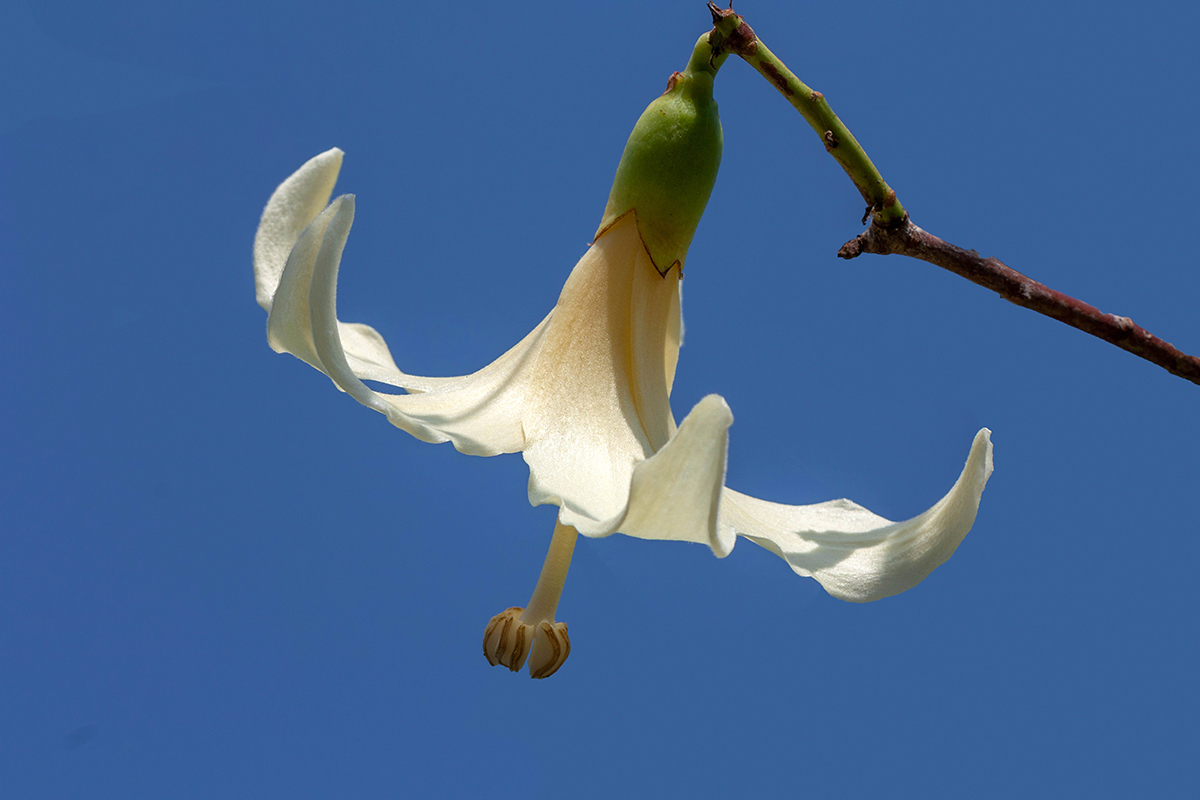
(323, 163)
(292, 206)
(982, 446)
(714, 408)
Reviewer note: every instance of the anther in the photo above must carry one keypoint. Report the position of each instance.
(507, 639)
(532, 632)
(550, 650)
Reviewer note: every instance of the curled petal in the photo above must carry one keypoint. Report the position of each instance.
(676, 493)
(286, 245)
(290, 324)
(479, 413)
(292, 206)
(857, 555)
(584, 396)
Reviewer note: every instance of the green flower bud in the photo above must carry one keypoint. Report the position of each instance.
(670, 162)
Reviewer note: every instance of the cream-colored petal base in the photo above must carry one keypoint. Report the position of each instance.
(584, 395)
(597, 403)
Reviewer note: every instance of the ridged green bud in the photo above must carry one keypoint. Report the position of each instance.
(670, 162)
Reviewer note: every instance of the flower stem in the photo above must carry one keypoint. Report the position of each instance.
(731, 34)
(544, 601)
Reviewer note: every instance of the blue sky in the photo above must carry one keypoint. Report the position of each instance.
(219, 577)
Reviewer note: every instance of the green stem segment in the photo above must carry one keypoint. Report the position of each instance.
(731, 34)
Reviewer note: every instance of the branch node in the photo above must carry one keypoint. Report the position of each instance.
(852, 248)
(730, 32)
(1124, 323)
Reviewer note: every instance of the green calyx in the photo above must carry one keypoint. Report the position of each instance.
(670, 162)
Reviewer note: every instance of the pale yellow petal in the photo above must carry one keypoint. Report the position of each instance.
(289, 324)
(292, 206)
(482, 412)
(597, 400)
(479, 413)
(855, 554)
(675, 495)
(655, 338)
(674, 338)
(285, 251)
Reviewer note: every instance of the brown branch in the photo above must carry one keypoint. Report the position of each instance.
(892, 231)
(907, 239)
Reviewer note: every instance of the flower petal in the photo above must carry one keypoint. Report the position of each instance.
(585, 395)
(597, 402)
(289, 324)
(855, 554)
(479, 413)
(292, 206)
(285, 249)
(676, 494)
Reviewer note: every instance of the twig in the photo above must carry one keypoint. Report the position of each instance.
(909, 240)
(731, 34)
(892, 231)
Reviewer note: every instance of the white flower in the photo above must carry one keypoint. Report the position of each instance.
(585, 398)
